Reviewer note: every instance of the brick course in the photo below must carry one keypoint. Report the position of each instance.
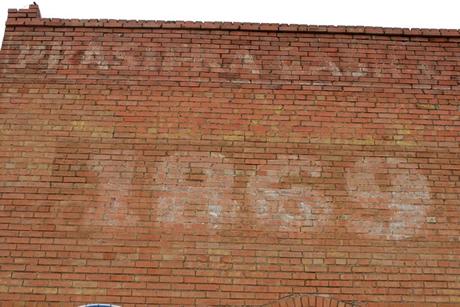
(186, 163)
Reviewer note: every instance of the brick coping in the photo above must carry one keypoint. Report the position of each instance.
(32, 17)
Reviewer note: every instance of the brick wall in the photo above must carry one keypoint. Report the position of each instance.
(156, 163)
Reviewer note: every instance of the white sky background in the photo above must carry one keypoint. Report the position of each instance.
(388, 13)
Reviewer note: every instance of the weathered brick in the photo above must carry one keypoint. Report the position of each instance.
(189, 163)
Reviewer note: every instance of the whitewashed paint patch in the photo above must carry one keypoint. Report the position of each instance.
(95, 55)
(199, 183)
(113, 189)
(280, 198)
(389, 204)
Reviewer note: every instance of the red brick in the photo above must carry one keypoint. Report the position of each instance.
(190, 163)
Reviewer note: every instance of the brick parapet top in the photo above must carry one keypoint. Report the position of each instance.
(32, 17)
(32, 12)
